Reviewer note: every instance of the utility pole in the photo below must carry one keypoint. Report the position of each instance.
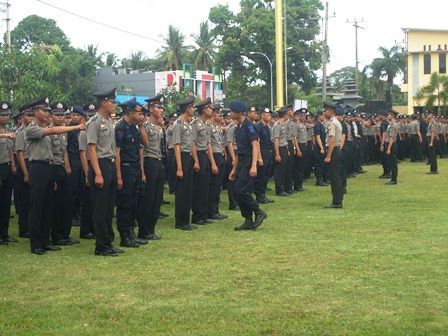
(279, 51)
(8, 29)
(355, 24)
(325, 54)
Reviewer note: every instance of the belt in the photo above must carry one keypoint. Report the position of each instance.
(186, 153)
(5, 164)
(109, 159)
(130, 164)
(148, 157)
(50, 162)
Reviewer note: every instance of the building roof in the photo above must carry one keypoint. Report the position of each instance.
(424, 30)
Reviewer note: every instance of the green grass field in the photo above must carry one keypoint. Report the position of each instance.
(376, 267)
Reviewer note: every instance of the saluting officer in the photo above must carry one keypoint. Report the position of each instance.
(102, 174)
(153, 170)
(245, 167)
(333, 157)
(40, 179)
(61, 224)
(183, 140)
(7, 169)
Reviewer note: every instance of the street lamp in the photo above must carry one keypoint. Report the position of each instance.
(270, 64)
(286, 73)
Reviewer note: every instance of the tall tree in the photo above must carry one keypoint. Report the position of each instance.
(35, 30)
(92, 50)
(111, 60)
(435, 93)
(204, 55)
(174, 49)
(138, 60)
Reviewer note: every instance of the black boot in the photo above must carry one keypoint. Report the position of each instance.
(127, 241)
(260, 199)
(247, 225)
(260, 216)
(321, 183)
(267, 200)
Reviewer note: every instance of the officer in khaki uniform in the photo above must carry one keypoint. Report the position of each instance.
(391, 147)
(281, 153)
(102, 174)
(432, 136)
(7, 168)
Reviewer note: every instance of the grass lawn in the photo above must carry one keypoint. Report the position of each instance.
(378, 266)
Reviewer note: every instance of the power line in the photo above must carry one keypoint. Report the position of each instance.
(100, 23)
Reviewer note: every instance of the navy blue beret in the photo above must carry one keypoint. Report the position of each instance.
(382, 112)
(78, 109)
(237, 106)
(339, 111)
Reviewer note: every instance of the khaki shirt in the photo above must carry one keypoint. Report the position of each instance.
(334, 129)
(215, 138)
(230, 135)
(6, 145)
(169, 137)
(279, 131)
(101, 132)
(289, 129)
(300, 132)
(182, 135)
(200, 136)
(82, 140)
(155, 136)
(58, 147)
(20, 142)
(38, 146)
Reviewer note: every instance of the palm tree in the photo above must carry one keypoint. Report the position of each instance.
(174, 50)
(111, 60)
(204, 55)
(93, 52)
(138, 60)
(435, 93)
(389, 66)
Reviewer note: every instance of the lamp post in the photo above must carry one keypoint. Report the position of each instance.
(270, 64)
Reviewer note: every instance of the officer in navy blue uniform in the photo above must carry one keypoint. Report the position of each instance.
(128, 138)
(245, 168)
(319, 150)
(266, 150)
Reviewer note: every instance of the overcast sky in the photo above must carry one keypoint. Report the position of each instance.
(383, 20)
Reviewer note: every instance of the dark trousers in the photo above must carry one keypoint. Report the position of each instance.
(392, 160)
(184, 191)
(171, 169)
(230, 184)
(128, 196)
(61, 224)
(432, 154)
(23, 207)
(244, 186)
(300, 164)
(416, 148)
(289, 167)
(77, 184)
(348, 160)
(385, 162)
(86, 225)
(201, 183)
(343, 172)
(334, 170)
(215, 185)
(103, 202)
(308, 160)
(281, 170)
(151, 200)
(263, 173)
(41, 203)
(6, 185)
(319, 164)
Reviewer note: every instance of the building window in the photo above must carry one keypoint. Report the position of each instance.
(442, 63)
(445, 46)
(424, 48)
(440, 47)
(427, 64)
(429, 48)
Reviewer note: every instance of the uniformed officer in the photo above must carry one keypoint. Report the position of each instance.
(342, 146)
(170, 152)
(153, 170)
(281, 153)
(333, 157)
(102, 172)
(288, 124)
(129, 133)
(61, 224)
(301, 154)
(383, 128)
(266, 150)
(319, 149)
(7, 169)
(86, 229)
(183, 141)
(432, 140)
(204, 163)
(23, 167)
(232, 152)
(390, 146)
(245, 167)
(40, 178)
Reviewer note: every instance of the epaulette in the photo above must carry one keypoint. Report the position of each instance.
(179, 120)
(195, 121)
(33, 123)
(95, 117)
(19, 128)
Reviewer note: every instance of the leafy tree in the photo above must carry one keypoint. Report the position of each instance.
(93, 52)
(35, 30)
(174, 50)
(203, 56)
(435, 93)
(171, 96)
(111, 60)
(138, 60)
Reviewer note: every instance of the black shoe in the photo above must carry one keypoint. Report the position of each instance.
(267, 200)
(187, 227)
(247, 225)
(3, 242)
(321, 184)
(89, 235)
(62, 242)
(432, 172)
(106, 253)
(52, 248)
(76, 222)
(199, 222)
(163, 214)
(334, 206)
(384, 177)
(11, 240)
(344, 190)
(161, 217)
(38, 251)
(361, 171)
(351, 176)
(72, 241)
(300, 189)
(391, 182)
(165, 202)
(259, 218)
(223, 216)
(261, 200)
(283, 194)
(292, 191)
(116, 250)
(216, 217)
(126, 241)
(24, 235)
(154, 237)
(235, 208)
(141, 241)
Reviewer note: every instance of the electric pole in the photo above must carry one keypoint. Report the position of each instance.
(325, 54)
(355, 24)
(8, 29)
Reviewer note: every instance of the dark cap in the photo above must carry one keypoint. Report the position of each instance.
(17, 116)
(216, 108)
(5, 108)
(105, 95)
(173, 115)
(121, 108)
(267, 110)
(204, 104)
(381, 112)
(329, 105)
(226, 112)
(393, 112)
(339, 111)
(320, 112)
(253, 108)
(135, 106)
(78, 109)
(25, 109)
(238, 107)
(348, 114)
(157, 101)
(188, 101)
(41, 103)
(91, 108)
(68, 114)
(58, 108)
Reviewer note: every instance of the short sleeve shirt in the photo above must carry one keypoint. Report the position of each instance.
(278, 131)
(20, 142)
(182, 135)
(100, 132)
(38, 145)
(58, 147)
(5, 149)
(155, 137)
(244, 135)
